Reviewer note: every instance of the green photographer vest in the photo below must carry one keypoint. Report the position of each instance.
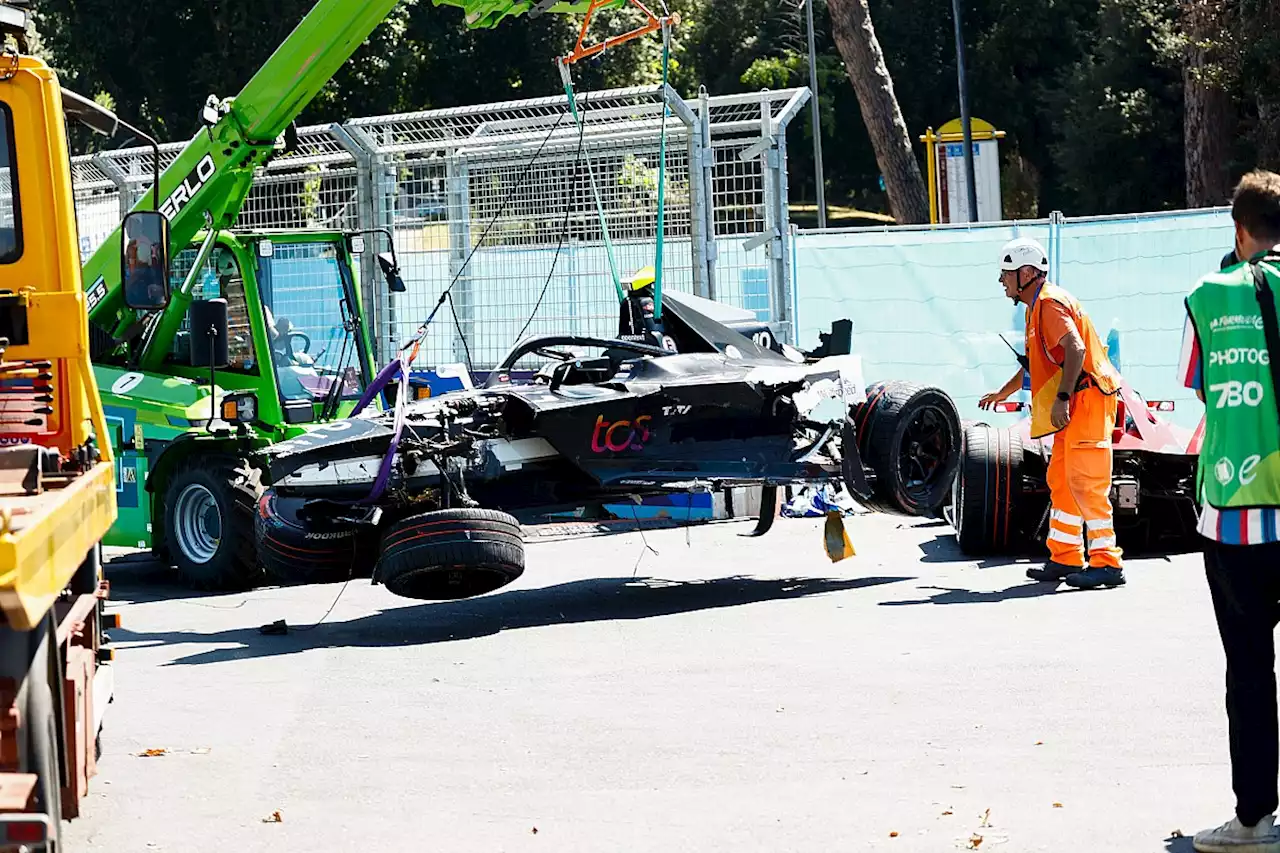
(1240, 458)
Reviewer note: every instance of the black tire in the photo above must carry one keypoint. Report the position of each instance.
(208, 526)
(987, 493)
(909, 436)
(451, 554)
(40, 718)
(89, 575)
(293, 552)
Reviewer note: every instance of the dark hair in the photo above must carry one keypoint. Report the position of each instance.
(1256, 205)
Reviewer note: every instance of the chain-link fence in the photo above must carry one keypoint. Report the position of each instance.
(505, 202)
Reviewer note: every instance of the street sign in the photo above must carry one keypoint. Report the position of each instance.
(948, 193)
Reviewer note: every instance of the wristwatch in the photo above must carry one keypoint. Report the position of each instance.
(1064, 396)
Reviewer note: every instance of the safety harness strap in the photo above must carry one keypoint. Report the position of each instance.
(662, 172)
(1267, 304)
(591, 176)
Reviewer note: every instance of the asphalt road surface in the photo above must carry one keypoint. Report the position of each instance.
(721, 694)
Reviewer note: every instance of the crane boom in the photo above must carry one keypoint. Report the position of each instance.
(301, 66)
(207, 184)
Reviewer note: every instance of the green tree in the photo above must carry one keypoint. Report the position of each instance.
(869, 73)
(164, 57)
(1118, 148)
(171, 54)
(1092, 94)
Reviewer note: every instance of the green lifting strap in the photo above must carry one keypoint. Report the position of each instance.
(595, 192)
(662, 172)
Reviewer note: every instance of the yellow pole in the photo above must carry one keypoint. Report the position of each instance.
(932, 169)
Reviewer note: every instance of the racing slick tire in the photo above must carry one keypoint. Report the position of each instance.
(987, 490)
(909, 436)
(294, 552)
(451, 554)
(208, 526)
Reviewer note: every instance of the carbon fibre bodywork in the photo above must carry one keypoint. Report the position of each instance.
(720, 410)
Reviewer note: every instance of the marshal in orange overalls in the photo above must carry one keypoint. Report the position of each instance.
(1080, 467)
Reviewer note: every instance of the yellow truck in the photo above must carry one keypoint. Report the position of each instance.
(57, 474)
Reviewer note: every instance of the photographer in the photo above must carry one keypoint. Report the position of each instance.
(1229, 351)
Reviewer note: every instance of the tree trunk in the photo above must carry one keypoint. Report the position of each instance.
(860, 49)
(1257, 40)
(1267, 135)
(1208, 120)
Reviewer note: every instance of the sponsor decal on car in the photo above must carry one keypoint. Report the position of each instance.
(620, 436)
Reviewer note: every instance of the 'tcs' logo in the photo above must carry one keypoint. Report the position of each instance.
(620, 435)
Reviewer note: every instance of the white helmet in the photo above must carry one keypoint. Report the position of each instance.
(1023, 252)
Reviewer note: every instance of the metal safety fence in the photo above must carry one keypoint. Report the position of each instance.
(505, 203)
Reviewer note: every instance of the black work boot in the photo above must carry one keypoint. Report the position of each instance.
(1095, 577)
(1052, 572)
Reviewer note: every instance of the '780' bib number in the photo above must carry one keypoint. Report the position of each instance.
(1235, 393)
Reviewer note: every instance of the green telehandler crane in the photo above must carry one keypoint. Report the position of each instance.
(277, 315)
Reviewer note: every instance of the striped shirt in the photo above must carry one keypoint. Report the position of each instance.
(1228, 526)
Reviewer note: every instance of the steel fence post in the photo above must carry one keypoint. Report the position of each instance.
(368, 165)
(457, 173)
(1056, 220)
(706, 179)
(117, 176)
(774, 237)
(785, 266)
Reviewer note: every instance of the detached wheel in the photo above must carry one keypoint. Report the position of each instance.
(451, 554)
(293, 551)
(909, 435)
(986, 494)
(208, 525)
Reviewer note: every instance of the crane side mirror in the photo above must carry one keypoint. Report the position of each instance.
(209, 333)
(144, 260)
(392, 272)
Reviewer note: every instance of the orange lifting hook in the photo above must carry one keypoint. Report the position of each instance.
(653, 24)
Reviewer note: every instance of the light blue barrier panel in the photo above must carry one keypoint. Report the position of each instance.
(1132, 274)
(927, 305)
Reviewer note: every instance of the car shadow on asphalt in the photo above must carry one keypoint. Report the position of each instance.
(944, 549)
(582, 601)
(950, 595)
(142, 579)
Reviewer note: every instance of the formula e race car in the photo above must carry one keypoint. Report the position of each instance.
(1000, 498)
(431, 486)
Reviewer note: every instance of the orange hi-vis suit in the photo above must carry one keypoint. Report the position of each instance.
(1080, 468)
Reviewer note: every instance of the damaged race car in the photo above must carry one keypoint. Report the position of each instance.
(1000, 496)
(433, 487)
